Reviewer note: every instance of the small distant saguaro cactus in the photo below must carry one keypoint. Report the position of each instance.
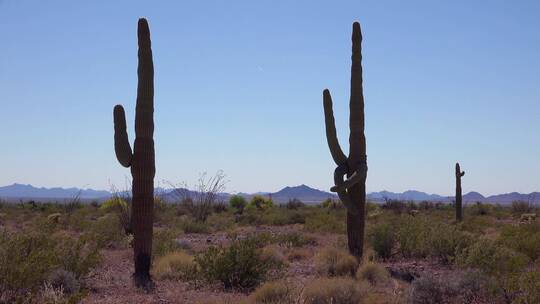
(352, 191)
(459, 208)
(142, 160)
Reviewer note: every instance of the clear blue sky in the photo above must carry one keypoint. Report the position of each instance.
(238, 87)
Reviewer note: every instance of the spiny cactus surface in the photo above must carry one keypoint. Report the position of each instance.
(352, 190)
(142, 159)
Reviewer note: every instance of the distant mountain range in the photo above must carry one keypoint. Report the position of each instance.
(302, 192)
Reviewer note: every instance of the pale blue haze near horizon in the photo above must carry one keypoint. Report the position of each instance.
(238, 87)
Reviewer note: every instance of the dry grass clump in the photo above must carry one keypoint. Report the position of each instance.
(374, 273)
(276, 292)
(273, 254)
(176, 265)
(335, 262)
(334, 291)
(298, 254)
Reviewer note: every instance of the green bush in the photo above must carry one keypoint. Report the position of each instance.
(238, 203)
(519, 207)
(164, 241)
(382, 239)
(492, 258)
(325, 222)
(28, 258)
(260, 203)
(238, 266)
(524, 238)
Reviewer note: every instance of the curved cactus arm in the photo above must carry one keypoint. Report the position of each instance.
(331, 135)
(356, 177)
(121, 141)
(462, 173)
(339, 172)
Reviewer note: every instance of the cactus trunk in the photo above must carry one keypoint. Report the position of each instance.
(142, 160)
(459, 208)
(352, 191)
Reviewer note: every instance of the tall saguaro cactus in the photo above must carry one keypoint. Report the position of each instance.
(459, 209)
(352, 191)
(142, 160)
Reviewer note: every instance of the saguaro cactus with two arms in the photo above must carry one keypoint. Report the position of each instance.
(459, 208)
(142, 159)
(352, 191)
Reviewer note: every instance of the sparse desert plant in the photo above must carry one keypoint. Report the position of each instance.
(238, 266)
(200, 203)
(335, 262)
(294, 204)
(374, 273)
(430, 290)
(65, 280)
(334, 291)
(142, 159)
(275, 292)
(383, 239)
(176, 265)
(519, 207)
(352, 191)
(272, 254)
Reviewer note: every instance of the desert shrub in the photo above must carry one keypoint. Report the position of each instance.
(297, 254)
(176, 265)
(374, 273)
(523, 238)
(27, 258)
(260, 203)
(238, 266)
(325, 222)
(480, 209)
(66, 280)
(276, 292)
(475, 224)
(430, 290)
(332, 204)
(164, 241)
(519, 207)
(529, 283)
(397, 206)
(382, 239)
(294, 204)
(445, 242)
(238, 203)
(272, 254)
(335, 262)
(112, 204)
(419, 237)
(219, 221)
(473, 285)
(295, 239)
(108, 232)
(190, 226)
(492, 258)
(334, 291)
(426, 205)
(412, 237)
